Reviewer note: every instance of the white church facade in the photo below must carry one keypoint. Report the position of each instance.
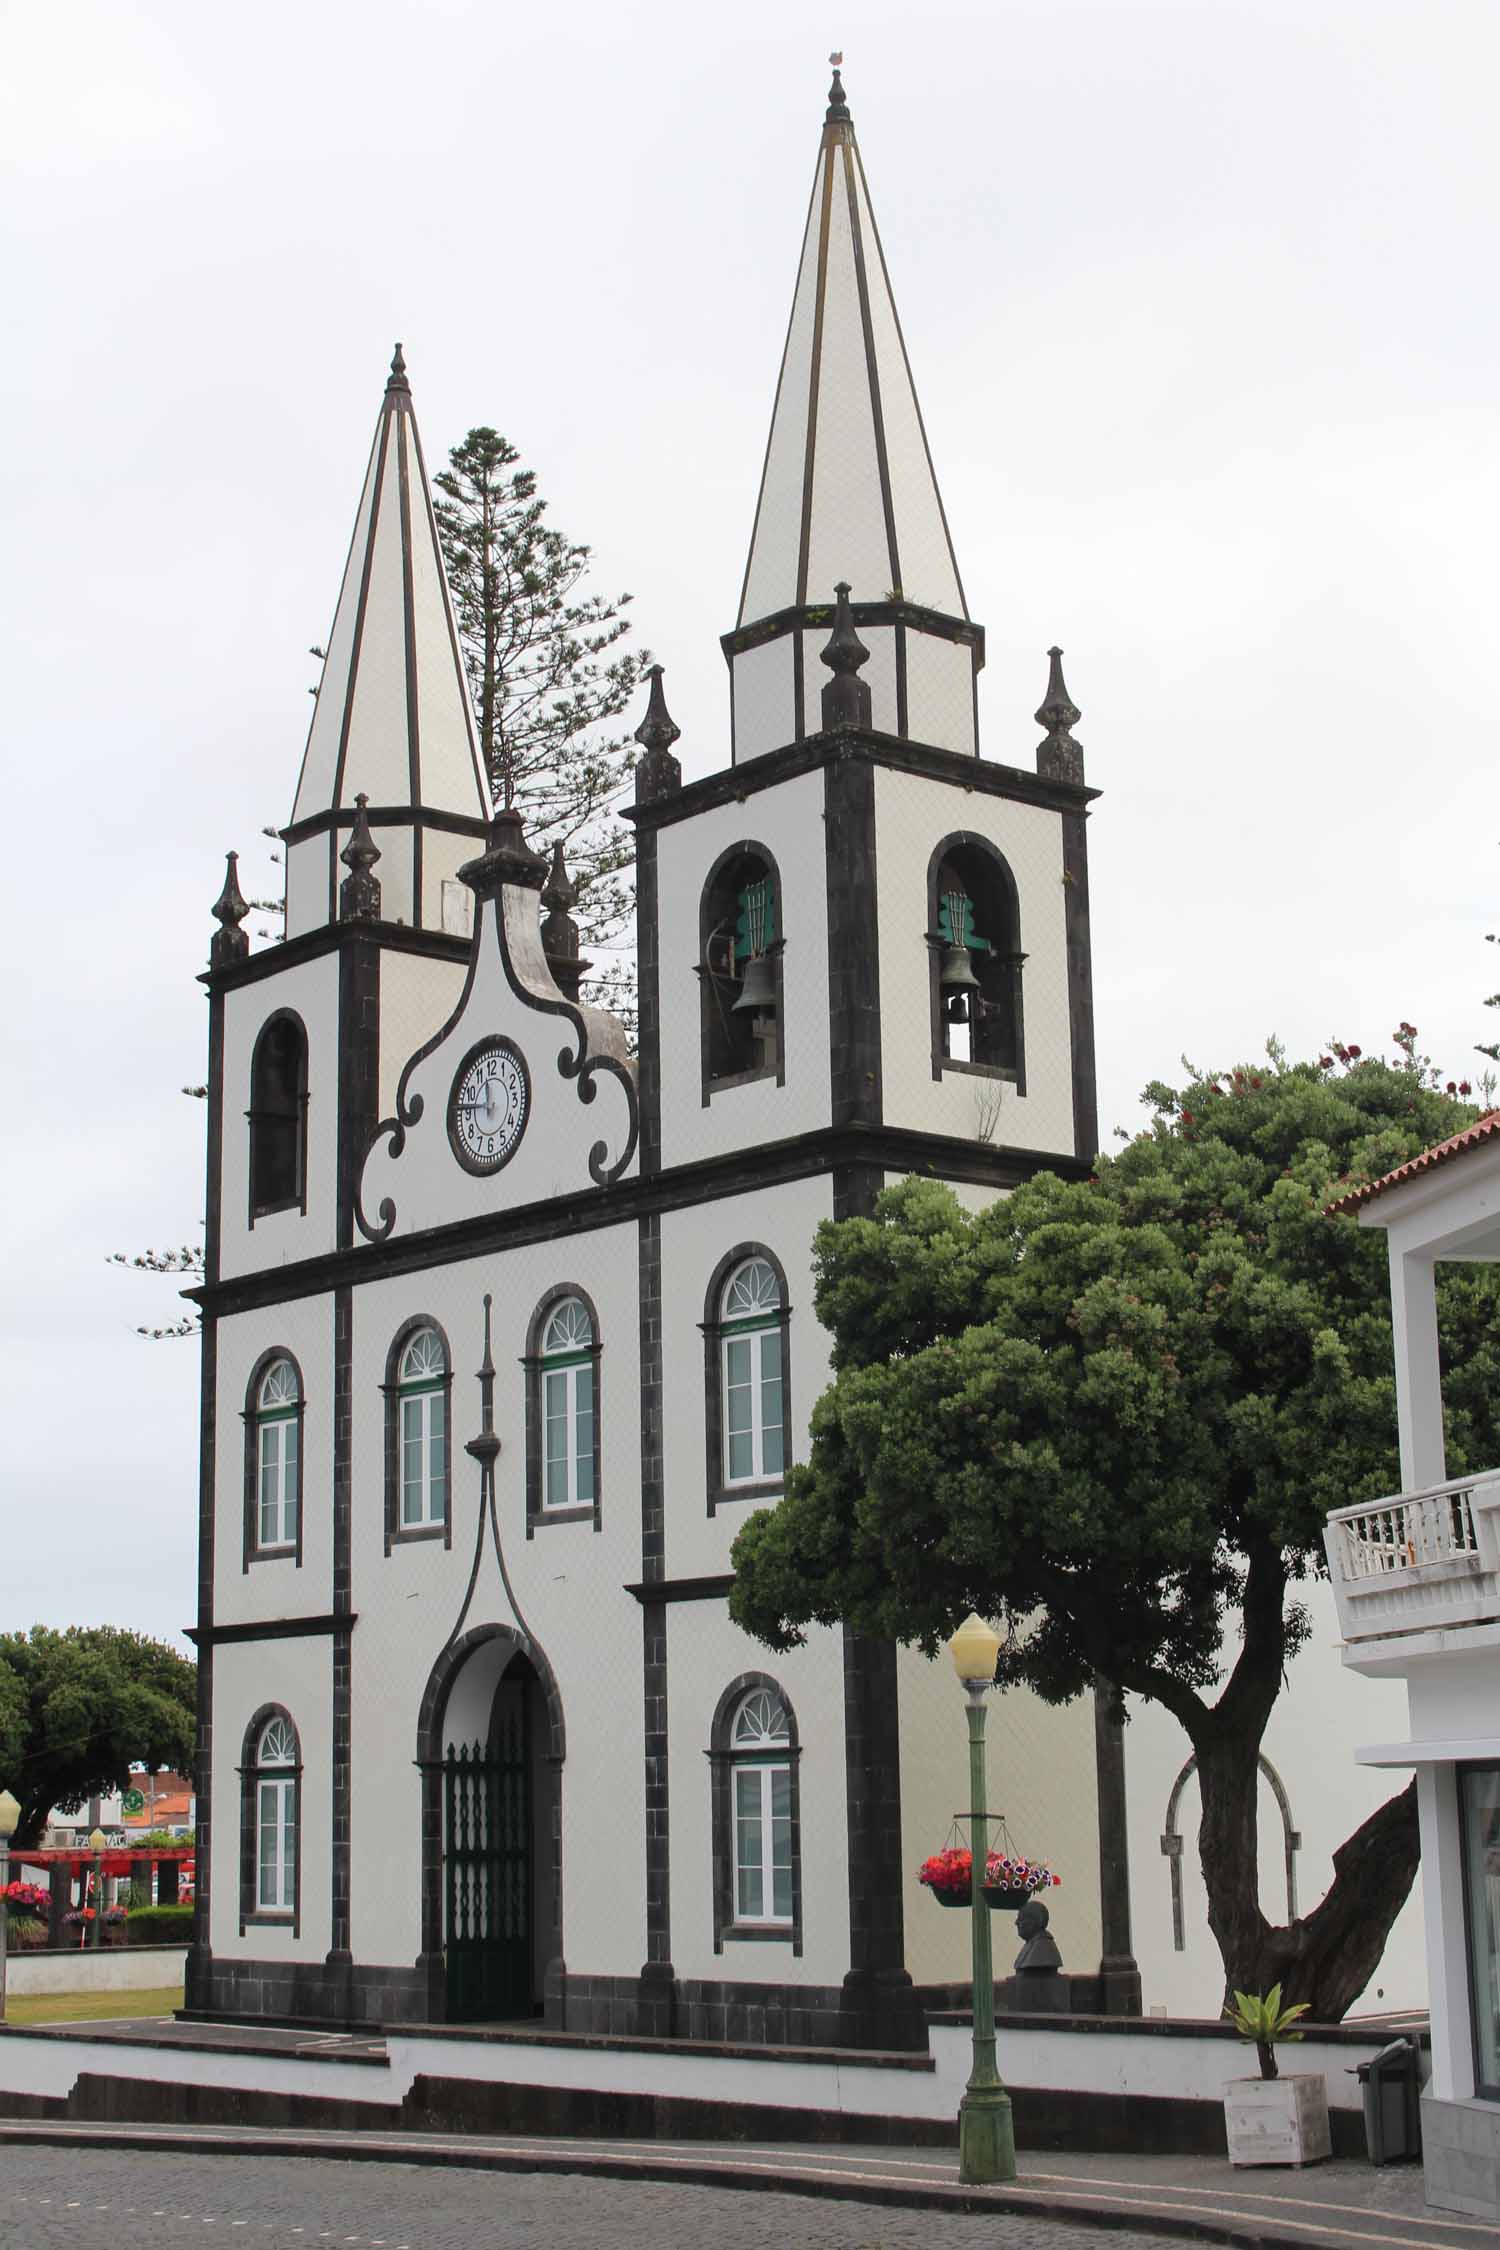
(506, 1330)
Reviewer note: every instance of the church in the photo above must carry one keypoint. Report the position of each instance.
(506, 1328)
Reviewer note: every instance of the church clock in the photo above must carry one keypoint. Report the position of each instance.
(489, 1105)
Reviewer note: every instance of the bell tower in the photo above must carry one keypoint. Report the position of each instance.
(848, 492)
(862, 926)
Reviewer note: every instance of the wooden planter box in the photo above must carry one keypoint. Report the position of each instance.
(1277, 2120)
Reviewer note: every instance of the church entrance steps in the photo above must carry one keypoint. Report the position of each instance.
(1338, 2206)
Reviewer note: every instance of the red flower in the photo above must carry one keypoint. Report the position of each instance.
(1464, 1087)
(1354, 1054)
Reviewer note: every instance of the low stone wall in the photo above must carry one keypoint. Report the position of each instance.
(105, 1968)
(1106, 2083)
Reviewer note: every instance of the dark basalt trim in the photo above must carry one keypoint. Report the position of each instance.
(802, 1156)
(388, 816)
(208, 1636)
(681, 1589)
(816, 617)
(656, 2006)
(358, 1070)
(1080, 984)
(887, 751)
(853, 941)
(396, 937)
(343, 1606)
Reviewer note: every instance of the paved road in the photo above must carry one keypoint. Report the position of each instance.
(59, 2198)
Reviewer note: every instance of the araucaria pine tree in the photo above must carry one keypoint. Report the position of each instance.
(548, 677)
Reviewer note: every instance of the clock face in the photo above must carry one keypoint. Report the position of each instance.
(489, 1105)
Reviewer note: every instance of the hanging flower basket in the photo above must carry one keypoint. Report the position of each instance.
(1010, 1879)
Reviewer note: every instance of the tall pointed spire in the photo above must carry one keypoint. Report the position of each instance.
(848, 492)
(392, 721)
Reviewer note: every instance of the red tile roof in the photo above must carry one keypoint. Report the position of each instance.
(1472, 1136)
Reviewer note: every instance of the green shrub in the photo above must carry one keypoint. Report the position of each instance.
(159, 1925)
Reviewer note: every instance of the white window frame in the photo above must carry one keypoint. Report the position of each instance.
(278, 1458)
(422, 1418)
(752, 1321)
(276, 1819)
(760, 1758)
(569, 1378)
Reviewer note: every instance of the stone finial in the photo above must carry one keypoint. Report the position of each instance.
(396, 380)
(359, 893)
(658, 773)
(507, 858)
(846, 698)
(1059, 757)
(559, 930)
(230, 943)
(838, 107)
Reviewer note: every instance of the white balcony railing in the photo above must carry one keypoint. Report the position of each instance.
(1420, 1562)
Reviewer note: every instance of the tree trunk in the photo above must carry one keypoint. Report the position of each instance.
(1325, 1958)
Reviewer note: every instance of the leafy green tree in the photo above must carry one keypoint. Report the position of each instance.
(78, 1708)
(548, 678)
(1114, 1413)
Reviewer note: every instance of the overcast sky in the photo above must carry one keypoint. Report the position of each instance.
(1201, 307)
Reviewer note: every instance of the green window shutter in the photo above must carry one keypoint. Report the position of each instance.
(756, 911)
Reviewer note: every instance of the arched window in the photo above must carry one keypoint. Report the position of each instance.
(974, 943)
(275, 1408)
(762, 1811)
(747, 1408)
(271, 1819)
(754, 1391)
(740, 939)
(278, 1451)
(563, 1424)
(278, 1117)
(755, 1755)
(422, 1403)
(568, 1407)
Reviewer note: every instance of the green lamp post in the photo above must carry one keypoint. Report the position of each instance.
(10, 1818)
(986, 2135)
(97, 1842)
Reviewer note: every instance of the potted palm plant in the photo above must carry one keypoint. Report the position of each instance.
(1271, 2119)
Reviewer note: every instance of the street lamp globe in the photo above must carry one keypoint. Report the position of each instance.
(10, 1816)
(975, 1650)
(97, 1840)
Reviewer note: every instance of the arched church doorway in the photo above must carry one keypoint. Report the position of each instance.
(492, 1760)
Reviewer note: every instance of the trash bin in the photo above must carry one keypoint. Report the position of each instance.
(1390, 2083)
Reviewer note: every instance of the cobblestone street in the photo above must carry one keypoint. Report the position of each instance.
(55, 2198)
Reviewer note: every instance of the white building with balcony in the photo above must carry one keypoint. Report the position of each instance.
(1417, 1582)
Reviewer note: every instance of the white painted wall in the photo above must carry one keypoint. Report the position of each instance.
(426, 1182)
(704, 1653)
(693, 1241)
(297, 1674)
(312, 989)
(788, 821)
(1039, 1767)
(1322, 1715)
(276, 1585)
(110, 1968)
(567, 1581)
(417, 996)
(912, 816)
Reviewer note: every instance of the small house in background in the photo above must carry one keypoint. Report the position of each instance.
(1417, 1581)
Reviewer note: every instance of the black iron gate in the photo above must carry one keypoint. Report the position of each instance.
(487, 1872)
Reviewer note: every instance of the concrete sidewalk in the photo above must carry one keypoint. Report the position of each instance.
(1333, 2206)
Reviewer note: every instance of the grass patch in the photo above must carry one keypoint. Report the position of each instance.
(90, 2007)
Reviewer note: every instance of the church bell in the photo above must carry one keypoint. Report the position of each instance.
(757, 994)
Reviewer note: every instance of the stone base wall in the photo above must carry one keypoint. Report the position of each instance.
(1461, 2156)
